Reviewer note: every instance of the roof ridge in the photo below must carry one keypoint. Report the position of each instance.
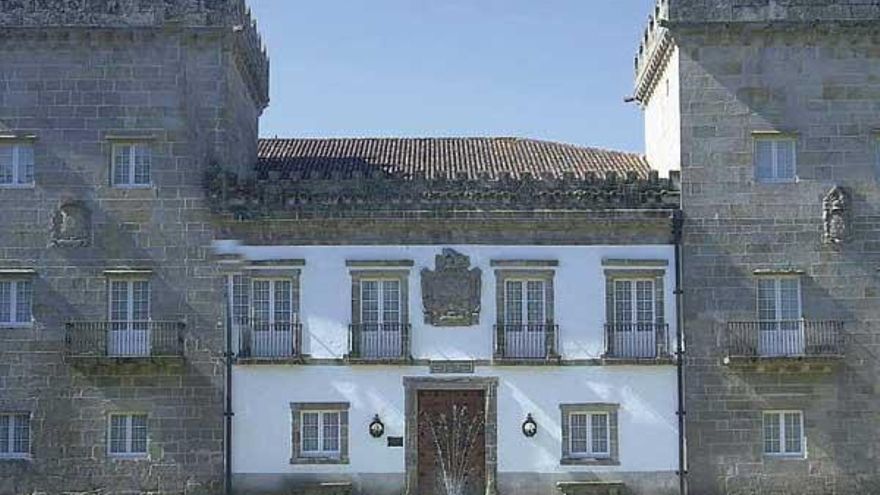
(454, 138)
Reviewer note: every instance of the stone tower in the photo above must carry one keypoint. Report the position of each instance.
(111, 112)
(770, 110)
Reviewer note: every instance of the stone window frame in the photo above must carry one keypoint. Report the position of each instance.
(775, 137)
(17, 276)
(876, 152)
(10, 454)
(613, 412)
(134, 142)
(511, 272)
(296, 410)
(16, 142)
(412, 385)
(128, 455)
(783, 454)
(383, 271)
(616, 272)
(272, 270)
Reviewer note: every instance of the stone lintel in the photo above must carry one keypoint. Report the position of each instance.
(18, 272)
(778, 271)
(128, 272)
(379, 263)
(525, 263)
(619, 262)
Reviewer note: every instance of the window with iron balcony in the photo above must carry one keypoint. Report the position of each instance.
(129, 332)
(265, 314)
(636, 327)
(524, 295)
(780, 330)
(380, 328)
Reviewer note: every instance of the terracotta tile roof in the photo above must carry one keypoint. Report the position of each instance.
(449, 158)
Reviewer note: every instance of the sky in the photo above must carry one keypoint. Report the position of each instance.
(545, 69)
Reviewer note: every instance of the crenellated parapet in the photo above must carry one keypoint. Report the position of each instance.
(277, 195)
(653, 53)
(120, 14)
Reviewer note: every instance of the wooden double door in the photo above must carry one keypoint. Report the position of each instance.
(451, 442)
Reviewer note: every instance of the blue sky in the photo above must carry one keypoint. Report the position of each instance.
(548, 69)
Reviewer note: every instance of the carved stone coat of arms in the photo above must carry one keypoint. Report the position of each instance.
(451, 292)
(835, 216)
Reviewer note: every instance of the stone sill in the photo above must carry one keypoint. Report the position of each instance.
(792, 364)
(318, 460)
(123, 359)
(626, 361)
(588, 461)
(271, 360)
(358, 361)
(591, 487)
(548, 361)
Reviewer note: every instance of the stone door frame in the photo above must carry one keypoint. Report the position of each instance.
(412, 385)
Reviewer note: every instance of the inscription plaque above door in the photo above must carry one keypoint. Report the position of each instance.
(451, 292)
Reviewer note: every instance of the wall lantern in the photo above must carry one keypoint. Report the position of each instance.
(377, 427)
(529, 427)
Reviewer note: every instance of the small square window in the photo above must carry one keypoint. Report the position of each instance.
(16, 165)
(15, 435)
(131, 165)
(128, 435)
(775, 159)
(784, 433)
(589, 434)
(16, 298)
(320, 433)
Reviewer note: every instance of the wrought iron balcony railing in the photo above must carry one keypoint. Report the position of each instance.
(526, 341)
(784, 339)
(263, 340)
(637, 340)
(379, 341)
(125, 339)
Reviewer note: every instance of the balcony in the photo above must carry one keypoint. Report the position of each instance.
(379, 342)
(526, 342)
(637, 342)
(268, 341)
(125, 339)
(784, 340)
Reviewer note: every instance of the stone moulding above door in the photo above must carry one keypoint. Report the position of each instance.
(451, 292)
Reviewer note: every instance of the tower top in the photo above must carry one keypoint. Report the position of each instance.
(122, 13)
(672, 15)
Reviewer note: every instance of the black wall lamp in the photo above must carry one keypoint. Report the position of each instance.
(377, 427)
(529, 426)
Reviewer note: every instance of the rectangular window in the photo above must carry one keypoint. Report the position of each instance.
(634, 301)
(320, 433)
(589, 434)
(784, 433)
(128, 435)
(273, 303)
(380, 302)
(16, 165)
(524, 302)
(16, 302)
(15, 435)
(131, 165)
(779, 299)
(775, 159)
(129, 304)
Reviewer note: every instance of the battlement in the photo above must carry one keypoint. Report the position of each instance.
(671, 14)
(230, 14)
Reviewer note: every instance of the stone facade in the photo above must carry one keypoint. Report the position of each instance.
(76, 77)
(808, 70)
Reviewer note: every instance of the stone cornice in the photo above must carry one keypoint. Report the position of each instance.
(279, 197)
